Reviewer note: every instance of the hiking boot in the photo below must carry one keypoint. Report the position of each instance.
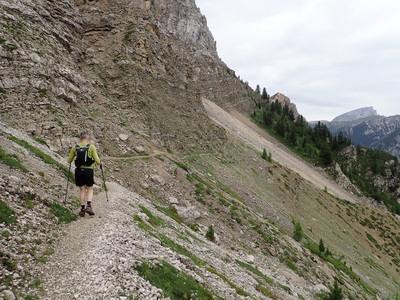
(89, 211)
(82, 212)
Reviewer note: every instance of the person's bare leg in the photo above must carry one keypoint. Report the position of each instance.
(89, 190)
(82, 194)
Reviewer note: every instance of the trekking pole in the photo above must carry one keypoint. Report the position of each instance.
(66, 190)
(105, 187)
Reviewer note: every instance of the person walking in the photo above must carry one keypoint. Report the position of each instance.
(86, 156)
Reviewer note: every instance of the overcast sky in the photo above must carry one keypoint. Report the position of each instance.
(327, 56)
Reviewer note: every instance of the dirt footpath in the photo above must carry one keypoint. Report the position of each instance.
(251, 134)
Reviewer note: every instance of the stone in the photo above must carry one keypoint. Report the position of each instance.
(123, 137)
(70, 98)
(319, 288)
(189, 214)
(173, 200)
(250, 259)
(140, 149)
(158, 179)
(8, 295)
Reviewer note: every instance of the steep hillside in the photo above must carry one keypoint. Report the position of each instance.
(192, 210)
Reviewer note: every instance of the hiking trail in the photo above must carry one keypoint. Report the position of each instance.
(95, 256)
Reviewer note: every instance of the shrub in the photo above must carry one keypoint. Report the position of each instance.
(298, 233)
(210, 234)
(336, 292)
(7, 215)
(321, 246)
(264, 155)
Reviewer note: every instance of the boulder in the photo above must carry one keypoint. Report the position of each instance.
(173, 200)
(140, 149)
(123, 137)
(8, 295)
(189, 214)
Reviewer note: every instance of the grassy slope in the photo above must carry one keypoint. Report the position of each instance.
(282, 195)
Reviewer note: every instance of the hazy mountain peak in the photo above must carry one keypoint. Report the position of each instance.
(356, 114)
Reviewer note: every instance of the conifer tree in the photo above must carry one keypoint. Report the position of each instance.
(264, 94)
(264, 155)
(321, 246)
(336, 293)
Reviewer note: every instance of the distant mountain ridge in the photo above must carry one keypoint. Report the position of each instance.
(365, 127)
(356, 114)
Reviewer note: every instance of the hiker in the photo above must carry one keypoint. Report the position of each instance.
(86, 157)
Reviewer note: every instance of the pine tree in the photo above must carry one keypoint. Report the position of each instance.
(321, 246)
(264, 154)
(298, 231)
(264, 94)
(258, 90)
(336, 293)
(210, 234)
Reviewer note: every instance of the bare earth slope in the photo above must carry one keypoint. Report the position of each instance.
(255, 137)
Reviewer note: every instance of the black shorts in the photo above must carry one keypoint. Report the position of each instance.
(84, 177)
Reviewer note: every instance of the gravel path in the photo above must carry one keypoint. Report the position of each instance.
(95, 257)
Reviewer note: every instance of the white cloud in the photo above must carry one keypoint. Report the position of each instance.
(328, 56)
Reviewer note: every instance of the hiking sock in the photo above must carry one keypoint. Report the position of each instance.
(89, 203)
(82, 207)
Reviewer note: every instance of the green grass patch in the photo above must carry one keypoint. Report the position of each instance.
(46, 158)
(175, 284)
(265, 291)
(373, 240)
(63, 214)
(153, 220)
(181, 165)
(192, 177)
(7, 214)
(254, 270)
(7, 262)
(171, 212)
(142, 224)
(6, 234)
(339, 265)
(12, 160)
(30, 297)
(40, 141)
(238, 290)
(35, 283)
(230, 192)
(167, 242)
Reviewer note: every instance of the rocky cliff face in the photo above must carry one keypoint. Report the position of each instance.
(66, 65)
(284, 100)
